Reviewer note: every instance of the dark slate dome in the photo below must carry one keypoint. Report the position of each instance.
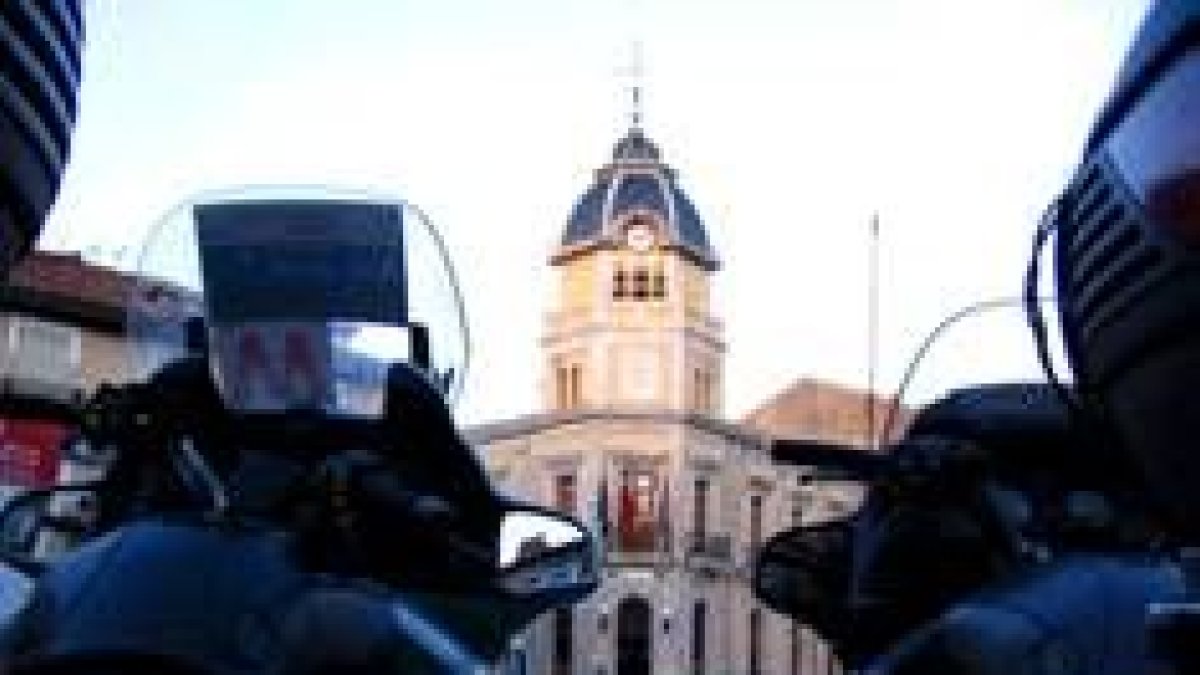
(637, 179)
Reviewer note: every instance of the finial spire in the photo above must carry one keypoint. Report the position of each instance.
(635, 73)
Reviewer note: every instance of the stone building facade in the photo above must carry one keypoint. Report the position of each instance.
(66, 322)
(61, 335)
(632, 440)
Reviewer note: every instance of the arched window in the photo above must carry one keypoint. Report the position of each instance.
(756, 504)
(634, 637)
(564, 641)
(699, 635)
(641, 283)
(700, 511)
(576, 393)
(565, 492)
(561, 384)
(755, 665)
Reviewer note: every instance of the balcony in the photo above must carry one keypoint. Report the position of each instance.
(636, 547)
(712, 552)
(617, 557)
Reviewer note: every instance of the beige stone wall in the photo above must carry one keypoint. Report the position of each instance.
(579, 284)
(735, 470)
(658, 352)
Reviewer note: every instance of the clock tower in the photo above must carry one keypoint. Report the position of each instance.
(633, 327)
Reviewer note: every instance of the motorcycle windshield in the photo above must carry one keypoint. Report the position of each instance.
(990, 342)
(301, 298)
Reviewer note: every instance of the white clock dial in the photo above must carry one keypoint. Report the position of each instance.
(639, 238)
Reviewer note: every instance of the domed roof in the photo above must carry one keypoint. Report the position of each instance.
(637, 179)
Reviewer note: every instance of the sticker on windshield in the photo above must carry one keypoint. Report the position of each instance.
(275, 365)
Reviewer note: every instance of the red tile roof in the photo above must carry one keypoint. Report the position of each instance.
(67, 275)
(818, 410)
(64, 287)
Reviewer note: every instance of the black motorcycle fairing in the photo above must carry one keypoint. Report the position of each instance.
(232, 600)
(214, 600)
(355, 490)
(1085, 615)
(988, 481)
(110, 663)
(805, 572)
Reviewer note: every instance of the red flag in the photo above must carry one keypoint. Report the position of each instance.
(626, 512)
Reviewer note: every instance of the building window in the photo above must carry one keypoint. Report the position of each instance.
(709, 392)
(561, 384)
(564, 639)
(699, 634)
(756, 503)
(660, 285)
(755, 642)
(565, 493)
(795, 650)
(620, 284)
(568, 386)
(700, 510)
(576, 394)
(641, 283)
(704, 390)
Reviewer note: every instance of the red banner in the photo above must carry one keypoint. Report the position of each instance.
(30, 451)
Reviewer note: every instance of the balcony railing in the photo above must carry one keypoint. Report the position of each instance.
(709, 551)
(636, 558)
(699, 551)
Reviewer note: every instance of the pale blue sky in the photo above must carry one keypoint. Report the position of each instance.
(790, 122)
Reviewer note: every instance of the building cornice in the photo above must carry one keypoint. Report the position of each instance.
(535, 423)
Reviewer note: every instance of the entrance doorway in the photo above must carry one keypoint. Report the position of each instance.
(634, 637)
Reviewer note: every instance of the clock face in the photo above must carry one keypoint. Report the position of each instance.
(639, 238)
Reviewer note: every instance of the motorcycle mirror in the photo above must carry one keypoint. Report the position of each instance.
(545, 556)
